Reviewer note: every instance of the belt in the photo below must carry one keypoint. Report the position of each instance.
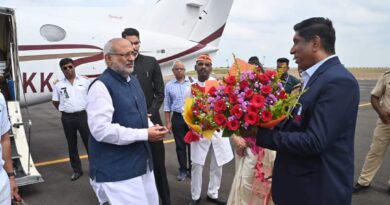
(74, 113)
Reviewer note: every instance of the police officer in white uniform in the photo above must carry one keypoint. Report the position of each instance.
(7, 175)
(69, 97)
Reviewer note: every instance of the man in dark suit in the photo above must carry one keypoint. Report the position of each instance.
(315, 150)
(148, 73)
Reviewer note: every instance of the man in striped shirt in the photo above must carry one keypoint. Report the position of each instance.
(175, 91)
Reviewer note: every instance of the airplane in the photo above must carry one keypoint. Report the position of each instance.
(35, 35)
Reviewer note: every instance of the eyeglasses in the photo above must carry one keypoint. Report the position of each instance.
(126, 55)
(204, 64)
(69, 67)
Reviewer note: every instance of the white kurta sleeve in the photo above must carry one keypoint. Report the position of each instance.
(100, 111)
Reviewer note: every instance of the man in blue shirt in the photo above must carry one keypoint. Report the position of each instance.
(175, 91)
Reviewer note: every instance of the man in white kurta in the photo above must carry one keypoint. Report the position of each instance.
(219, 148)
(118, 139)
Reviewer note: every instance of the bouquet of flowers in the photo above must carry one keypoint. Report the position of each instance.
(245, 100)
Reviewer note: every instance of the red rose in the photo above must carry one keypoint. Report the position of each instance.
(270, 73)
(213, 91)
(229, 89)
(248, 94)
(266, 89)
(244, 84)
(251, 118)
(219, 106)
(199, 104)
(220, 119)
(282, 95)
(233, 125)
(233, 99)
(253, 108)
(266, 116)
(264, 79)
(236, 111)
(258, 101)
(230, 80)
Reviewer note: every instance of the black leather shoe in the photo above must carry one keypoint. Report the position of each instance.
(194, 202)
(216, 201)
(181, 176)
(357, 188)
(75, 176)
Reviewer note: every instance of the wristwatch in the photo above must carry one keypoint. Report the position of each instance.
(11, 174)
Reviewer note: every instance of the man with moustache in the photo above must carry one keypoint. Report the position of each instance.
(218, 146)
(175, 92)
(120, 158)
(315, 149)
(69, 97)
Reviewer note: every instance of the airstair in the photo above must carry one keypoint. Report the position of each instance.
(26, 173)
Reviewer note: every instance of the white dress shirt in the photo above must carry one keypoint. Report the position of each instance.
(306, 75)
(72, 98)
(100, 110)
(4, 125)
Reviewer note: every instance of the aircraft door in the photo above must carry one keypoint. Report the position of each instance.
(8, 56)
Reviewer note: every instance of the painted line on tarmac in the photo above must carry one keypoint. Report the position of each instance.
(364, 104)
(58, 161)
(167, 141)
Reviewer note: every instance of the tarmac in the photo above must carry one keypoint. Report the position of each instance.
(49, 152)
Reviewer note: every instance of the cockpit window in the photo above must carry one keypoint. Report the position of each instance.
(53, 33)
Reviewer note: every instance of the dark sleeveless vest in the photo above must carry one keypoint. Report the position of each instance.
(109, 162)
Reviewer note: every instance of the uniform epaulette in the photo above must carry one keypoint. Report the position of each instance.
(387, 72)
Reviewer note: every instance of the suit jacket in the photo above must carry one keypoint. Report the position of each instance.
(315, 149)
(148, 73)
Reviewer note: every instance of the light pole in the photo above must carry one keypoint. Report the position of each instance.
(263, 60)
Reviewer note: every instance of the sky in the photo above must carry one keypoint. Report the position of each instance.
(265, 29)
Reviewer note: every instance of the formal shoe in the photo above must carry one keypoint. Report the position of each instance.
(357, 188)
(194, 202)
(181, 176)
(216, 201)
(75, 176)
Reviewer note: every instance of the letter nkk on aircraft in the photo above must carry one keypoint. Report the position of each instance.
(36, 34)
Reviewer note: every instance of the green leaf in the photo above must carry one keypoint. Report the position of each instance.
(227, 133)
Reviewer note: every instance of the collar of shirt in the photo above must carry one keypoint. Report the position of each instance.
(76, 78)
(310, 71)
(203, 83)
(185, 80)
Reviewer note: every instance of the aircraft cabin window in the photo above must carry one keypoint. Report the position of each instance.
(53, 33)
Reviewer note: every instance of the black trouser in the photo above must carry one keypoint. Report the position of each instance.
(71, 123)
(160, 173)
(180, 129)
